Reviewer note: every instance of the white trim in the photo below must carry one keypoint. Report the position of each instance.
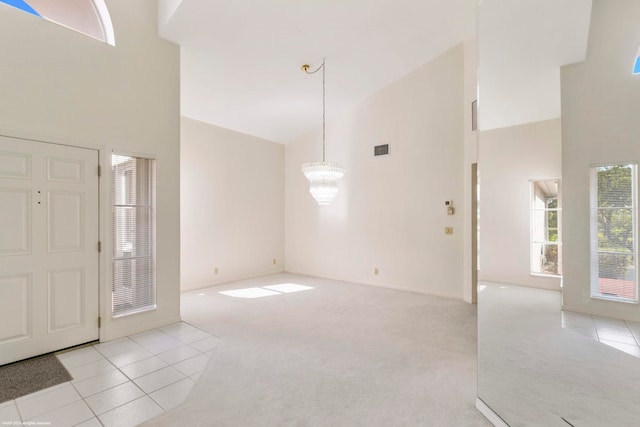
(148, 303)
(105, 20)
(141, 326)
(551, 276)
(103, 218)
(594, 207)
(126, 153)
(381, 285)
(489, 414)
(542, 286)
(598, 312)
(52, 139)
(615, 299)
(225, 281)
(532, 220)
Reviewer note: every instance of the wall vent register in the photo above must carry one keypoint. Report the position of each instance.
(381, 150)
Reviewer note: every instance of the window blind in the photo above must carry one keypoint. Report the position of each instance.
(613, 232)
(133, 234)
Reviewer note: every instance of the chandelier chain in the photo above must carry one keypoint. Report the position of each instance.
(324, 149)
(323, 176)
(306, 70)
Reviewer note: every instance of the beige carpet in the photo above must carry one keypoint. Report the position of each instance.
(336, 355)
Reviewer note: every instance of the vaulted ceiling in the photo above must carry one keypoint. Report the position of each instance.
(521, 47)
(241, 58)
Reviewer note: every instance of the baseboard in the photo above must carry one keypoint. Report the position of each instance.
(600, 313)
(489, 414)
(407, 289)
(112, 333)
(521, 284)
(381, 285)
(227, 280)
(329, 277)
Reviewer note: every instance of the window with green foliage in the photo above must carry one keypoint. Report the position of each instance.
(546, 249)
(613, 232)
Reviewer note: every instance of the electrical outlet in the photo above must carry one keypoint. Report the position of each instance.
(448, 230)
(215, 270)
(375, 271)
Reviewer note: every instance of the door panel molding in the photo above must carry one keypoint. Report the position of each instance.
(66, 290)
(65, 170)
(49, 259)
(15, 165)
(65, 221)
(16, 209)
(15, 302)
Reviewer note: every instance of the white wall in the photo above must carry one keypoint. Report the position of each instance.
(601, 124)
(521, 46)
(62, 86)
(508, 159)
(389, 213)
(470, 157)
(232, 199)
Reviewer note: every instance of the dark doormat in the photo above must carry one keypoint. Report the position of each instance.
(31, 375)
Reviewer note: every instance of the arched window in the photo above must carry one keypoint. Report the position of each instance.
(89, 17)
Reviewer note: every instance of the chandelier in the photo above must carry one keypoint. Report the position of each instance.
(323, 176)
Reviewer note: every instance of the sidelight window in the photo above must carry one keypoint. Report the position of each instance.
(613, 232)
(134, 235)
(546, 242)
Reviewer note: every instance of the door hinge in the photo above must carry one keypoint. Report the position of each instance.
(99, 322)
(99, 170)
(99, 246)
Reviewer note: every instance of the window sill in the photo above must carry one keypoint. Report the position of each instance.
(551, 276)
(134, 312)
(614, 299)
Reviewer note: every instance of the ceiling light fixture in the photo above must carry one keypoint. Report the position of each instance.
(323, 176)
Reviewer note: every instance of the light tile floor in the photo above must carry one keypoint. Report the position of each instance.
(621, 334)
(119, 383)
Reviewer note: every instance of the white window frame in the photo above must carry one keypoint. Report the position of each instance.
(534, 241)
(67, 18)
(595, 264)
(149, 303)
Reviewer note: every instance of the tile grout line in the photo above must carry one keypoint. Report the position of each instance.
(598, 338)
(163, 336)
(85, 402)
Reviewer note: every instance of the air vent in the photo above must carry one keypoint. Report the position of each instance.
(381, 150)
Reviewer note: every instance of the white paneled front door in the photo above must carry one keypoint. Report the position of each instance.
(48, 247)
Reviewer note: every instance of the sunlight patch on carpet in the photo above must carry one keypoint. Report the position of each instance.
(288, 288)
(266, 291)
